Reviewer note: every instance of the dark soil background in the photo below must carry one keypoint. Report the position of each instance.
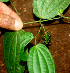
(59, 30)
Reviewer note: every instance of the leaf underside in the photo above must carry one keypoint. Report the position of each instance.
(13, 45)
(40, 60)
(47, 9)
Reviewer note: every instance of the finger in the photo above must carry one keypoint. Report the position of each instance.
(9, 19)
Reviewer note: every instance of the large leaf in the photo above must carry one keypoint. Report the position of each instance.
(40, 60)
(4, 0)
(47, 9)
(13, 44)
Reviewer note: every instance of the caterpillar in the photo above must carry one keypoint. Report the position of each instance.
(9, 19)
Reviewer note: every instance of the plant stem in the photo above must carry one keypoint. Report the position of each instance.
(14, 7)
(37, 35)
(35, 40)
(66, 17)
(40, 21)
(38, 32)
(36, 21)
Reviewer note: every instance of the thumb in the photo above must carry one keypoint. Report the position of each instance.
(10, 23)
(9, 19)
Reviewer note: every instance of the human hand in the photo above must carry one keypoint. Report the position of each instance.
(9, 19)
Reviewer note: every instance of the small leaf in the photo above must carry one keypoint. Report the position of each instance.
(40, 60)
(13, 44)
(24, 41)
(47, 9)
(4, 0)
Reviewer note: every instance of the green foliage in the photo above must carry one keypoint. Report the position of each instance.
(13, 45)
(40, 60)
(47, 9)
(4, 0)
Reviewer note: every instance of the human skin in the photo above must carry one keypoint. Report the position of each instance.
(9, 19)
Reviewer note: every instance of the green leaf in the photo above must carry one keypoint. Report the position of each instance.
(25, 40)
(13, 44)
(40, 60)
(4, 0)
(24, 54)
(47, 9)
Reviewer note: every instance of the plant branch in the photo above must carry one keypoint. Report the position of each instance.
(40, 21)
